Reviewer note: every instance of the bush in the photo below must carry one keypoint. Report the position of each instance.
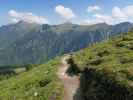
(103, 53)
(96, 61)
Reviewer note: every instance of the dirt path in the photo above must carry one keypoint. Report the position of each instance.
(71, 83)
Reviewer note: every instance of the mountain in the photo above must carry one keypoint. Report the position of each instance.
(9, 33)
(24, 43)
(105, 71)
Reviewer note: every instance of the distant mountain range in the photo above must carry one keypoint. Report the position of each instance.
(26, 43)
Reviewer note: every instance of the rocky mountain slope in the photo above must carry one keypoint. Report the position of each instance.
(24, 43)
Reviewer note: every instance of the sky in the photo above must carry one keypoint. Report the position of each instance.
(59, 11)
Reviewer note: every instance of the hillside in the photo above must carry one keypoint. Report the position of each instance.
(24, 43)
(40, 83)
(107, 69)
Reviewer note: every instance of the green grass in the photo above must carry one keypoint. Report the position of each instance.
(114, 55)
(109, 75)
(111, 64)
(41, 81)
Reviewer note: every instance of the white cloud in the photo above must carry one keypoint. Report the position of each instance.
(128, 10)
(91, 21)
(123, 14)
(27, 17)
(94, 8)
(118, 15)
(104, 18)
(99, 18)
(65, 13)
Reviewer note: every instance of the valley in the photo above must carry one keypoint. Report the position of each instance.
(31, 43)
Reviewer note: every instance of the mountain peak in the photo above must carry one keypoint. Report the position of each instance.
(100, 24)
(124, 23)
(67, 24)
(24, 23)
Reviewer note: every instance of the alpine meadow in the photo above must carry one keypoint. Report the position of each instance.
(66, 50)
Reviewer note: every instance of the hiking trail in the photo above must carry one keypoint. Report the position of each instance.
(70, 83)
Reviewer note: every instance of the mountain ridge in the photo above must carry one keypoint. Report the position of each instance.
(33, 43)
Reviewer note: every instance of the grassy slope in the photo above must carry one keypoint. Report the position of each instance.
(111, 63)
(110, 66)
(41, 80)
